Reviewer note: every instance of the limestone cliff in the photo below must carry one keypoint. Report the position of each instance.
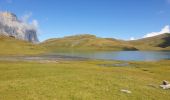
(11, 26)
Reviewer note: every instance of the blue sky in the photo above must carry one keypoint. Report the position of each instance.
(121, 19)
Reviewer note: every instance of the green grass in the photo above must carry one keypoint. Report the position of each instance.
(12, 46)
(160, 42)
(86, 42)
(82, 80)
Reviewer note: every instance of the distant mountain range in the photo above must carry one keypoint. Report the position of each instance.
(91, 42)
(86, 42)
(14, 34)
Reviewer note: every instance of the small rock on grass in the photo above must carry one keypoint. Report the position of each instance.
(165, 85)
(165, 82)
(126, 91)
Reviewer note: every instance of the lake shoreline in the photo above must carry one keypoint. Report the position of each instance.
(42, 58)
(128, 56)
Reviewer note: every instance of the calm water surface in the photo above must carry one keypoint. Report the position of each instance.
(74, 55)
(122, 55)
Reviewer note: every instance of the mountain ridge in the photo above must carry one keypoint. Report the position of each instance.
(159, 42)
(86, 41)
(13, 46)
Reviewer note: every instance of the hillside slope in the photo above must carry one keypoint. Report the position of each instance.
(86, 42)
(12, 46)
(160, 42)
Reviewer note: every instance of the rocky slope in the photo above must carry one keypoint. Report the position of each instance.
(11, 26)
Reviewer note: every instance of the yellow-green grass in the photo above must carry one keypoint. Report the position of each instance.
(86, 42)
(160, 42)
(92, 43)
(12, 46)
(83, 80)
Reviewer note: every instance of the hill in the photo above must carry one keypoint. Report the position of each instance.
(86, 42)
(160, 42)
(12, 46)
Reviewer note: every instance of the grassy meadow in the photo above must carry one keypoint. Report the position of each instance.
(79, 80)
(11, 46)
(83, 80)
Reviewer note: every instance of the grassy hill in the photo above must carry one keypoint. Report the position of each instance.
(12, 46)
(160, 42)
(86, 42)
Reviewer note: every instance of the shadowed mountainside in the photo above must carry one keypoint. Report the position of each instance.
(160, 42)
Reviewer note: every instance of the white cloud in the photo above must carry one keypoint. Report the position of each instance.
(11, 25)
(132, 38)
(9, 19)
(26, 17)
(166, 29)
(33, 23)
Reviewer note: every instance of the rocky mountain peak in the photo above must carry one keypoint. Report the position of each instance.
(10, 25)
(8, 16)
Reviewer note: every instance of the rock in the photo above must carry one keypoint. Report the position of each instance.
(165, 85)
(11, 26)
(165, 82)
(126, 91)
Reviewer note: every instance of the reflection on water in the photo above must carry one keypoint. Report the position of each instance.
(122, 55)
(48, 57)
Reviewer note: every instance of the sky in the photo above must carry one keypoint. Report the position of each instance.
(121, 19)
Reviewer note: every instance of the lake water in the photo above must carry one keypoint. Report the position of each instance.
(72, 55)
(122, 55)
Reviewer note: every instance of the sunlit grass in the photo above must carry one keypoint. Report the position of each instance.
(83, 80)
(12, 46)
(86, 42)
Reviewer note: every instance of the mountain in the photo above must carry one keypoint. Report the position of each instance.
(91, 42)
(11, 26)
(13, 46)
(160, 42)
(86, 42)
(15, 31)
